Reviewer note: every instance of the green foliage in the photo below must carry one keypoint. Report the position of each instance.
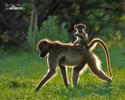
(52, 30)
(4, 37)
(31, 40)
(116, 36)
(49, 29)
(27, 7)
(122, 18)
(100, 16)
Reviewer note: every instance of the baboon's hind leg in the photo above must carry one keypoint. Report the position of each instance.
(76, 71)
(91, 60)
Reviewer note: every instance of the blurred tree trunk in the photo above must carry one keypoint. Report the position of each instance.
(33, 19)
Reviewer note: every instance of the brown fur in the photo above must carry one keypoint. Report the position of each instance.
(99, 41)
(62, 54)
(81, 35)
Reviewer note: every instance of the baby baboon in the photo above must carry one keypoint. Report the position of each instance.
(62, 54)
(81, 35)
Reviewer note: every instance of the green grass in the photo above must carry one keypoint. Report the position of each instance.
(21, 71)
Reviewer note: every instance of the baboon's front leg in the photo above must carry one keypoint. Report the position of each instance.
(52, 70)
(64, 74)
(76, 71)
(45, 79)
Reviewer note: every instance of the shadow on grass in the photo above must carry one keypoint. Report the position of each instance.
(83, 91)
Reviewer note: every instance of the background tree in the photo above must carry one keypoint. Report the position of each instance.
(102, 17)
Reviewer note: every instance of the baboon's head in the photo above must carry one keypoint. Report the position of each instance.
(79, 27)
(43, 46)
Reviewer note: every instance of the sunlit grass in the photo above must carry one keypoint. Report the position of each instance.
(21, 71)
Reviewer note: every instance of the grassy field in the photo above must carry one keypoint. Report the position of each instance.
(21, 71)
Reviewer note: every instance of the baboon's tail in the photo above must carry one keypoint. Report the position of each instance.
(93, 44)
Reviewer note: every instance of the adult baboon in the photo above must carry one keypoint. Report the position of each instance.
(61, 54)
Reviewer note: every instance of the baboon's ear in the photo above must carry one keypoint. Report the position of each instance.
(84, 26)
(75, 26)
